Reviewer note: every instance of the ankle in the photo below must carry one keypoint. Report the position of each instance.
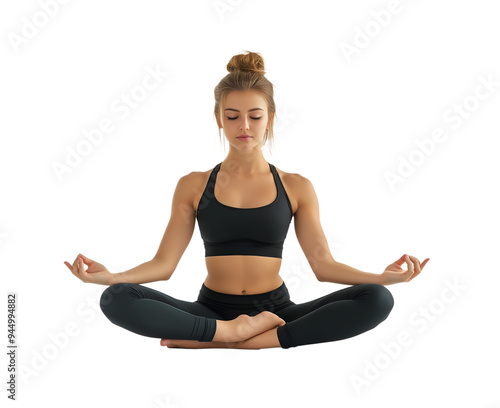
(222, 330)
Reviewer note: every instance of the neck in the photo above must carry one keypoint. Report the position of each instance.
(245, 164)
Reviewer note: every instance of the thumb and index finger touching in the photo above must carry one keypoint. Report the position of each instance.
(85, 260)
(410, 260)
(407, 258)
(404, 258)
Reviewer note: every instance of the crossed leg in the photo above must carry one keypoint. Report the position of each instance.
(336, 316)
(151, 313)
(267, 339)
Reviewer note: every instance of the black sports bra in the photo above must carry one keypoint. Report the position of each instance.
(229, 230)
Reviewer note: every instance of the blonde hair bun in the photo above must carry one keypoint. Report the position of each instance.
(248, 62)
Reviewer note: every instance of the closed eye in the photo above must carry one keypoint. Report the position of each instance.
(237, 118)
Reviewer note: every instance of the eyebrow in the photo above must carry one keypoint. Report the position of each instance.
(236, 110)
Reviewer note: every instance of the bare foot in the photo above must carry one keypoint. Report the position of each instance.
(195, 344)
(266, 339)
(239, 329)
(245, 326)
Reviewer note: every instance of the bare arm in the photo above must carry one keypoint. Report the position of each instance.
(337, 272)
(174, 242)
(150, 271)
(314, 244)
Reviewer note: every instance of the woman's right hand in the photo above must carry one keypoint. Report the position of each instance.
(95, 273)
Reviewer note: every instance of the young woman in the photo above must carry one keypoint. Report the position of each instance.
(244, 207)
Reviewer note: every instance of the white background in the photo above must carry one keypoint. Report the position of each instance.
(344, 120)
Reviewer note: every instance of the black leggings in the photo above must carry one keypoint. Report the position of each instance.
(338, 315)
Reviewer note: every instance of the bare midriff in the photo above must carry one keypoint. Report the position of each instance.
(244, 274)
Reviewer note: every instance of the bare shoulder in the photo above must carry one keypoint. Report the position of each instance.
(198, 178)
(296, 186)
(194, 178)
(195, 183)
(291, 178)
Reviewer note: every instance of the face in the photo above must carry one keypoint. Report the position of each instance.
(245, 112)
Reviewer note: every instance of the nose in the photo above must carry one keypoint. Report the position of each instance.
(244, 124)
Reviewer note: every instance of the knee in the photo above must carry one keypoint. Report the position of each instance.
(381, 298)
(111, 296)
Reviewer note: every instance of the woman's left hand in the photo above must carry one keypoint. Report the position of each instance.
(395, 274)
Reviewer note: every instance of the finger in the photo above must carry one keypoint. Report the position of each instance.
(410, 265)
(69, 266)
(416, 263)
(76, 265)
(419, 266)
(412, 277)
(415, 274)
(79, 269)
(81, 266)
(401, 260)
(85, 259)
(73, 269)
(90, 263)
(83, 273)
